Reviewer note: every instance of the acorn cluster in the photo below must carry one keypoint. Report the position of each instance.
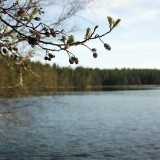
(94, 50)
(49, 56)
(73, 60)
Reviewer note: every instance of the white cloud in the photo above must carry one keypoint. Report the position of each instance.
(131, 12)
(117, 3)
(135, 43)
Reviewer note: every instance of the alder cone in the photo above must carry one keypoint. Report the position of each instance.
(4, 50)
(53, 33)
(107, 46)
(10, 48)
(47, 34)
(32, 41)
(45, 58)
(15, 49)
(51, 55)
(71, 61)
(49, 58)
(76, 60)
(95, 55)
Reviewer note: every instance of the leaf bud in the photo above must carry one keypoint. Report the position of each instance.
(64, 38)
(37, 18)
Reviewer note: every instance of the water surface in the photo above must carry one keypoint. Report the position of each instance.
(88, 125)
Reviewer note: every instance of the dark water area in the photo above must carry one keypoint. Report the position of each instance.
(101, 125)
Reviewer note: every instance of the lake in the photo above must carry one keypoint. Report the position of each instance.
(100, 125)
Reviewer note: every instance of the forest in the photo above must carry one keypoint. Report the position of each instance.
(38, 76)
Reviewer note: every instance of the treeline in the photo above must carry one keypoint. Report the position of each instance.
(56, 76)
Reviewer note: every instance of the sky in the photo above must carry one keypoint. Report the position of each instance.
(135, 43)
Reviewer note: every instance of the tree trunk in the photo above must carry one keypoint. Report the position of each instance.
(21, 77)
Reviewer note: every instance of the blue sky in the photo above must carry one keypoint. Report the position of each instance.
(135, 43)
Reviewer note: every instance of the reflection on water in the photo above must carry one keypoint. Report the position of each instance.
(89, 125)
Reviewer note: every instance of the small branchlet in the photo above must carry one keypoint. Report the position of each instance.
(37, 33)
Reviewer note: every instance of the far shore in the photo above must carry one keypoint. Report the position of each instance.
(124, 86)
(83, 87)
(12, 91)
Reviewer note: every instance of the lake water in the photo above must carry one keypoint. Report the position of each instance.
(108, 125)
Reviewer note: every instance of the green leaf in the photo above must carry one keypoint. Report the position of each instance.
(110, 20)
(36, 4)
(62, 40)
(70, 39)
(88, 33)
(117, 23)
(26, 18)
(31, 17)
(34, 12)
(18, 1)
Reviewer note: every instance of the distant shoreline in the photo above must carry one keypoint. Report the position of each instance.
(124, 86)
(26, 91)
(87, 87)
